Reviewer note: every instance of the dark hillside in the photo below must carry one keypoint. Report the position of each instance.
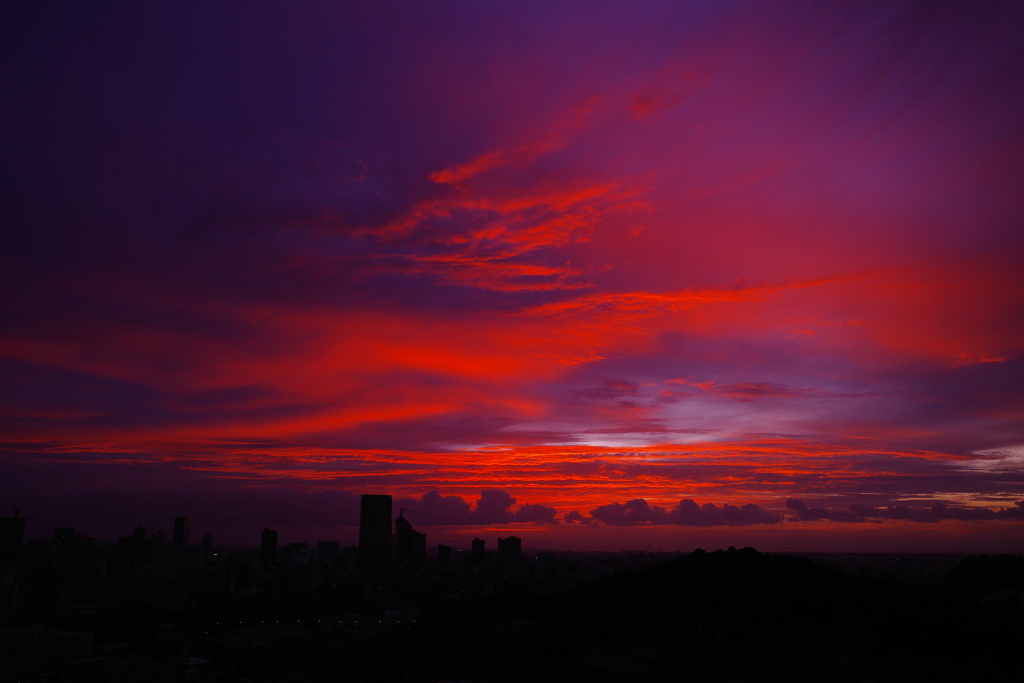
(729, 616)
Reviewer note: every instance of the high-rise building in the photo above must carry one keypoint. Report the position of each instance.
(405, 540)
(375, 529)
(268, 549)
(410, 545)
(419, 555)
(444, 555)
(12, 535)
(181, 528)
(207, 545)
(510, 550)
(479, 551)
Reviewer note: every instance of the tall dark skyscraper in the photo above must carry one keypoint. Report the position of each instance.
(375, 529)
(12, 535)
(479, 551)
(181, 529)
(510, 550)
(268, 549)
(405, 539)
(410, 545)
(419, 555)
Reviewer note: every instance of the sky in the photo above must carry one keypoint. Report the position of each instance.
(600, 275)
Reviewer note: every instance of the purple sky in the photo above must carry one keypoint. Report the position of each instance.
(598, 258)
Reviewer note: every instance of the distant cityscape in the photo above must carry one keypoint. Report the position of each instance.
(153, 607)
(384, 541)
(72, 578)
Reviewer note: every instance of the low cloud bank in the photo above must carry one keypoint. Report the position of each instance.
(493, 507)
(935, 513)
(685, 513)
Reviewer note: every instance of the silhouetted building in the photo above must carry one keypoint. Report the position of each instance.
(138, 546)
(181, 528)
(292, 550)
(375, 529)
(510, 550)
(479, 552)
(8, 601)
(444, 555)
(207, 549)
(268, 549)
(131, 548)
(410, 545)
(327, 550)
(296, 553)
(72, 551)
(39, 644)
(419, 556)
(39, 553)
(348, 558)
(80, 594)
(405, 539)
(12, 535)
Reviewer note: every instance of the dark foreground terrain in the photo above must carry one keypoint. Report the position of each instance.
(736, 615)
(726, 616)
